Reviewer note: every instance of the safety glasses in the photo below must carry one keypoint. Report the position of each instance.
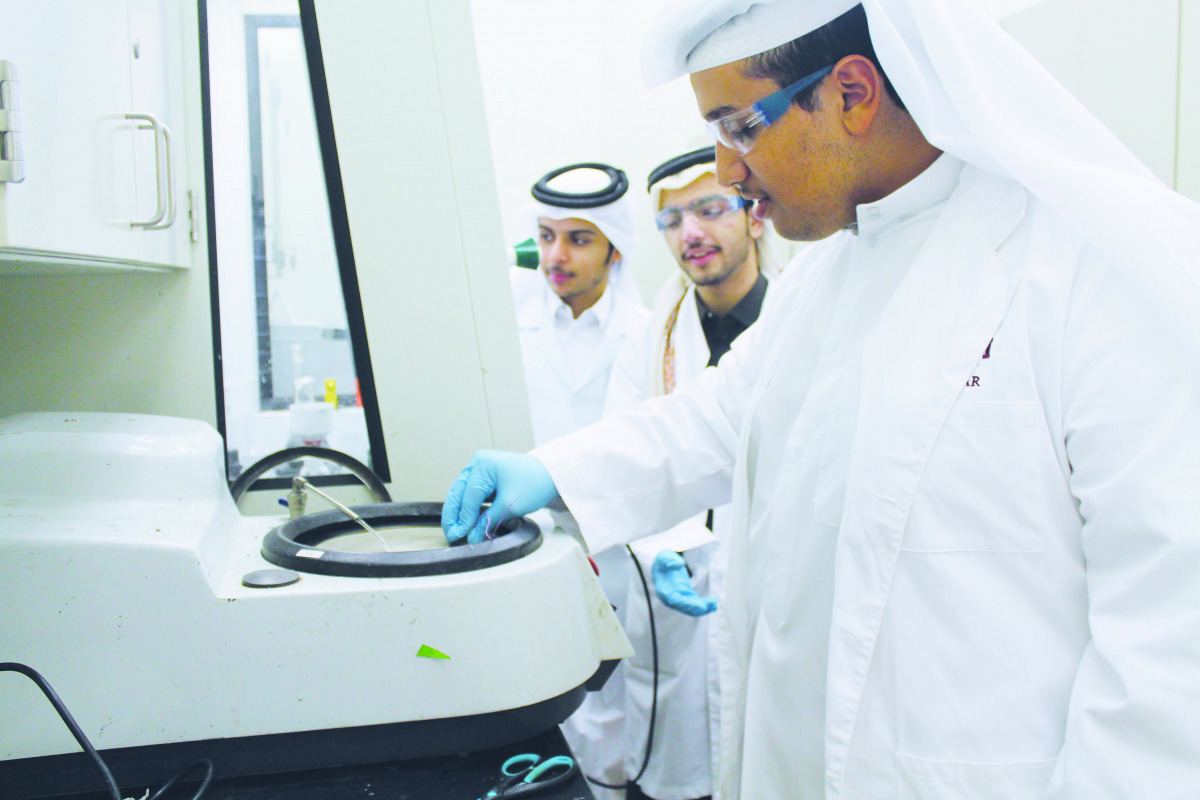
(706, 208)
(738, 131)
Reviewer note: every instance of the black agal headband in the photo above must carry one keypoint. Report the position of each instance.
(676, 165)
(617, 186)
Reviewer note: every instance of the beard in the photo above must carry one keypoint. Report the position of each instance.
(714, 277)
(733, 256)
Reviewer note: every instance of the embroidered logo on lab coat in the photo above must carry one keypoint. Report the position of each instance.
(973, 381)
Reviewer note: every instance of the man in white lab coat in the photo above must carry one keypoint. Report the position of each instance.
(575, 310)
(962, 442)
(573, 314)
(724, 270)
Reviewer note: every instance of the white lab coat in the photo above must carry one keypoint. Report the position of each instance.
(1016, 608)
(561, 401)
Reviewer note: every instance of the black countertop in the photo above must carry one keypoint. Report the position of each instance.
(462, 776)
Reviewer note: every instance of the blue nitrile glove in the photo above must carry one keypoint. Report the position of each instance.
(519, 483)
(673, 585)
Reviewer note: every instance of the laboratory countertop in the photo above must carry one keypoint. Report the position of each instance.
(464, 776)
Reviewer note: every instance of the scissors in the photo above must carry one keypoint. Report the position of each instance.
(528, 774)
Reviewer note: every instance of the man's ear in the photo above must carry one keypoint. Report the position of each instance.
(859, 85)
(754, 225)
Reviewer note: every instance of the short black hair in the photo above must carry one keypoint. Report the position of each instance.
(847, 35)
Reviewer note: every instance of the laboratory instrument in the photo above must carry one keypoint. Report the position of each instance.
(174, 627)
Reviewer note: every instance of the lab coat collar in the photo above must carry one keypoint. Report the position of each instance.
(602, 309)
(931, 187)
(540, 306)
(617, 317)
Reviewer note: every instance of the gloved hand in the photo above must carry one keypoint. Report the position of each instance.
(674, 587)
(518, 482)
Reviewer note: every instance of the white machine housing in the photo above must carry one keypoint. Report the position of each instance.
(122, 556)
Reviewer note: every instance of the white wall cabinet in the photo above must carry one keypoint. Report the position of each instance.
(98, 172)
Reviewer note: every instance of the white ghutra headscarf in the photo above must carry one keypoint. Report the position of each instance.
(615, 219)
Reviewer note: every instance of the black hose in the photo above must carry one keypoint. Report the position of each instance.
(654, 651)
(77, 732)
(269, 462)
(68, 720)
(654, 693)
(208, 774)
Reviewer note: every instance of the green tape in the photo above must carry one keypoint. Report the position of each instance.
(428, 652)
(527, 254)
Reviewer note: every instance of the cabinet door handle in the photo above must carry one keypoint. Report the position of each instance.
(164, 214)
(169, 172)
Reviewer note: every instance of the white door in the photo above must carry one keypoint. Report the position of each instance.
(72, 62)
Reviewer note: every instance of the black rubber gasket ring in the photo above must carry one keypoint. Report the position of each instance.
(618, 185)
(284, 544)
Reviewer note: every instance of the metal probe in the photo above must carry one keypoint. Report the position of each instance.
(300, 484)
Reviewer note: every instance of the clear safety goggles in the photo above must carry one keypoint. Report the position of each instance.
(739, 130)
(706, 209)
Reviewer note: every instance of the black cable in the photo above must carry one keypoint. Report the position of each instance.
(208, 773)
(654, 693)
(77, 732)
(72, 725)
(654, 651)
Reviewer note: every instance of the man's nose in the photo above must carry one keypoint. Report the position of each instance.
(691, 229)
(558, 253)
(731, 169)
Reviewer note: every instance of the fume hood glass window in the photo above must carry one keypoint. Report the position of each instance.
(286, 350)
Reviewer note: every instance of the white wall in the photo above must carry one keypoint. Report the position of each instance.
(1188, 172)
(1121, 59)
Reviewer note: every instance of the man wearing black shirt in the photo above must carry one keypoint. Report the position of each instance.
(698, 313)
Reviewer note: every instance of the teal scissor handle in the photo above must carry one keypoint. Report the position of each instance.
(519, 765)
(541, 769)
(527, 774)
